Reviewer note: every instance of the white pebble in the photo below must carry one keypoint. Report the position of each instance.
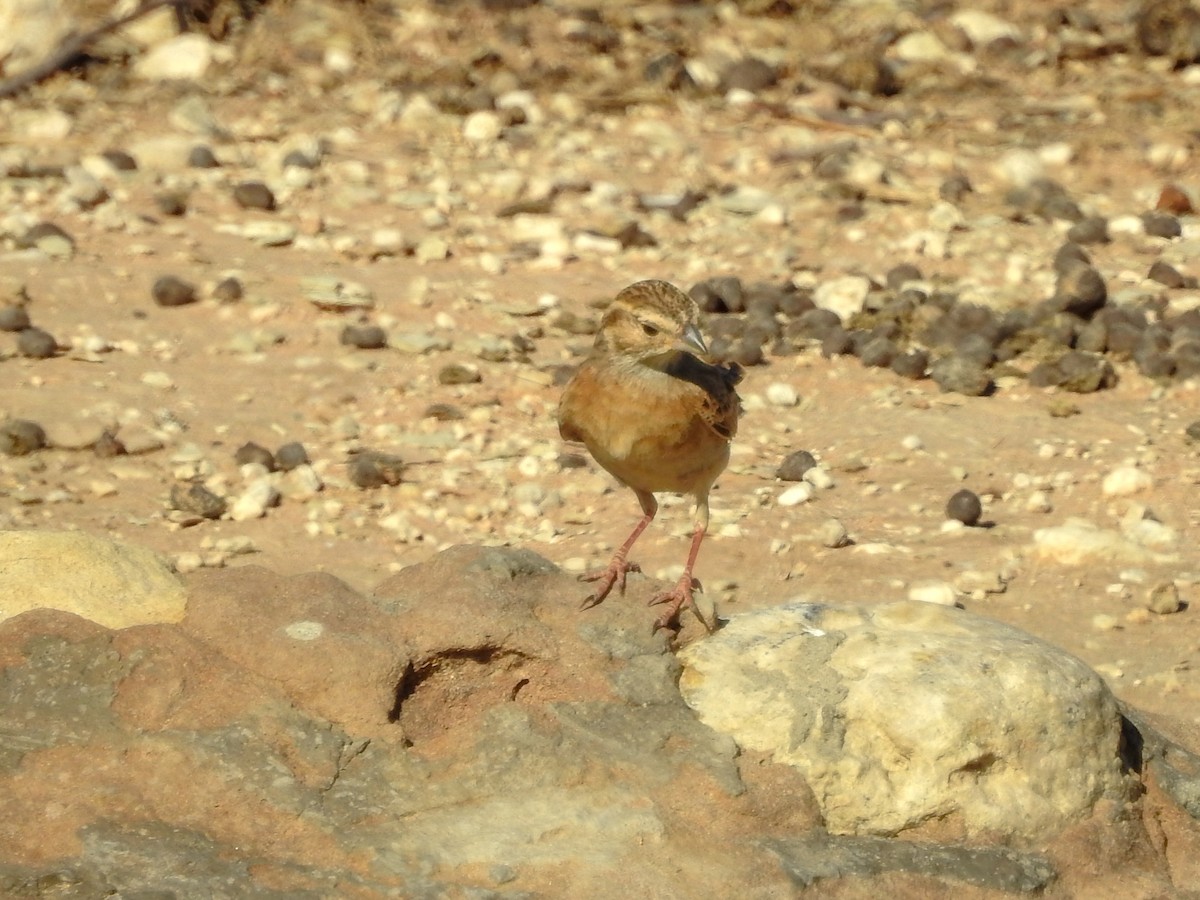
(482, 126)
(1039, 502)
(939, 592)
(1125, 481)
(254, 501)
(304, 630)
(795, 495)
(781, 394)
(832, 534)
(1104, 622)
(819, 477)
(912, 442)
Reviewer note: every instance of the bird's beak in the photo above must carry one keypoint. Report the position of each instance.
(691, 340)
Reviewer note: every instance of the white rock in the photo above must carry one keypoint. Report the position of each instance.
(482, 127)
(1125, 481)
(983, 28)
(893, 721)
(782, 394)
(832, 534)
(795, 495)
(939, 592)
(844, 296)
(912, 442)
(184, 57)
(1020, 168)
(30, 30)
(254, 501)
(819, 477)
(1076, 542)
(921, 47)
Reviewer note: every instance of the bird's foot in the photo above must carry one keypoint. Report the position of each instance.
(612, 574)
(677, 599)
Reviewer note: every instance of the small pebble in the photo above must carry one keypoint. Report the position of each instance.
(14, 318)
(228, 290)
(458, 373)
(172, 291)
(371, 469)
(444, 412)
(251, 453)
(1163, 599)
(819, 477)
(795, 495)
(201, 157)
(832, 534)
(939, 592)
(1104, 622)
(794, 465)
(20, 437)
(291, 455)
(198, 500)
(1125, 481)
(254, 195)
(254, 502)
(108, 445)
(964, 506)
(364, 337)
(36, 344)
(781, 394)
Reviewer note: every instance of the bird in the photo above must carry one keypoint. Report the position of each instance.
(657, 416)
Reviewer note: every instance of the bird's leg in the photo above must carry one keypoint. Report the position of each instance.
(680, 596)
(618, 567)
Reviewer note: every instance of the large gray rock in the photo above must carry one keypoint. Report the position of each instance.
(909, 712)
(114, 584)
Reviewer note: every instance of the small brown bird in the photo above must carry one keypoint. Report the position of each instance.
(656, 417)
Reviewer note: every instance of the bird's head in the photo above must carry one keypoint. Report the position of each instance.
(652, 322)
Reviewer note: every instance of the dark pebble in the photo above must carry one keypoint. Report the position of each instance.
(254, 195)
(961, 375)
(371, 469)
(1093, 337)
(1089, 230)
(815, 324)
(228, 290)
(171, 203)
(251, 452)
(444, 412)
(913, 364)
(965, 507)
(719, 295)
(749, 74)
(879, 353)
(900, 275)
(20, 437)
(1047, 373)
(1192, 433)
(794, 465)
(198, 500)
(1187, 359)
(108, 445)
(1160, 224)
(14, 318)
(955, 188)
(291, 455)
(201, 157)
(364, 337)
(747, 353)
(457, 373)
(837, 342)
(796, 303)
(1080, 291)
(1068, 255)
(1085, 373)
(1166, 274)
(1153, 362)
(120, 160)
(572, 461)
(171, 291)
(36, 344)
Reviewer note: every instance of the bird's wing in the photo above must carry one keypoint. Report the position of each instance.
(720, 405)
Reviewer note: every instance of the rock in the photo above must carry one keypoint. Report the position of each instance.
(31, 30)
(964, 506)
(794, 465)
(254, 195)
(364, 337)
(337, 295)
(196, 499)
(291, 455)
(371, 469)
(940, 592)
(185, 57)
(251, 453)
(170, 290)
(20, 437)
(228, 290)
(14, 318)
(894, 722)
(961, 375)
(782, 394)
(1077, 543)
(35, 343)
(254, 501)
(1125, 481)
(795, 495)
(1163, 599)
(48, 238)
(112, 584)
(844, 296)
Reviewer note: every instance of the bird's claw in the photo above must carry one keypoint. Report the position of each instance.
(612, 574)
(677, 599)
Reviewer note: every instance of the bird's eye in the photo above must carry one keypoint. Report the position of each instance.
(649, 329)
